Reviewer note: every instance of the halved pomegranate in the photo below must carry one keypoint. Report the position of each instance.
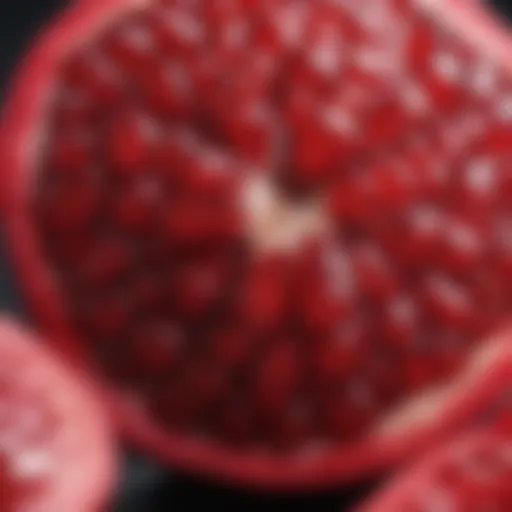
(56, 449)
(278, 228)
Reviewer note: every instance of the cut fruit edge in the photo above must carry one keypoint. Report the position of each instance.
(436, 412)
(409, 483)
(85, 479)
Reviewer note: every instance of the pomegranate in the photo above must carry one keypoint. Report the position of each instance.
(470, 473)
(278, 229)
(55, 445)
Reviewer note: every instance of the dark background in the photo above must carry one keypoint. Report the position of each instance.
(144, 486)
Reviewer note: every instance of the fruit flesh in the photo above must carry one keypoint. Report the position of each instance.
(144, 182)
(26, 459)
(55, 446)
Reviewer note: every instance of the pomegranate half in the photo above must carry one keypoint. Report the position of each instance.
(56, 449)
(278, 229)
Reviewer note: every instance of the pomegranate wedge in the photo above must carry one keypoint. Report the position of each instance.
(55, 445)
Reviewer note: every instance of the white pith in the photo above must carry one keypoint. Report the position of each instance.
(275, 223)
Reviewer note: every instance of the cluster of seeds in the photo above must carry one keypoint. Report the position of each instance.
(273, 219)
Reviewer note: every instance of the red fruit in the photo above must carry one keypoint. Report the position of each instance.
(471, 472)
(56, 452)
(296, 209)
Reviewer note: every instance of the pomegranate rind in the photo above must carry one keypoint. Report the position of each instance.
(408, 487)
(86, 468)
(483, 419)
(313, 468)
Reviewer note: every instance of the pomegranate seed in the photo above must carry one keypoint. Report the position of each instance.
(336, 356)
(107, 260)
(93, 76)
(71, 203)
(198, 286)
(212, 175)
(463, 246)
(276, 377)
(375, 275)
(264, 295)
(178, 31)
(348, 410)
(451, 303)
(250, 126)
(232, 346)
(319, 144)
(280, 26)
(131, 142)
(190, 223)
(71, 153)
(422, 235)
(138, 202)
(147, 290)
(166, 89)
(132, 47)
(107, 318)
(327, 290)
(401, 320)
(157, 347)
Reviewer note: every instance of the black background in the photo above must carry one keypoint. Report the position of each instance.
(146, 487)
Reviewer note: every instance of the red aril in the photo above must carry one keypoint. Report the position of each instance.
(267, 209)
(56, 452)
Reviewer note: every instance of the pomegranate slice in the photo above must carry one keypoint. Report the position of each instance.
(278, 229)
(55, 445)
(471, 472)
